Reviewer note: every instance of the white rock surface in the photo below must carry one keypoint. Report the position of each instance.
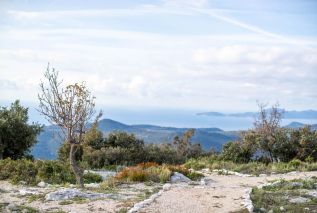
(27, 192)
(206, 181)
(65, 194)
(232, 173)
(299, 200)
(42, 184)
(178, 177)
(312, 193)
(92, 185)
(206, 170)
(247, 203)
(167, 186)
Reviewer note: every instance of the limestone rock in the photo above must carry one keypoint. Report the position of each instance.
(65, 194)
(178, 177)
(42, 184)
(299, 200)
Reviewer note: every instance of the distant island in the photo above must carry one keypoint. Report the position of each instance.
(306, 114)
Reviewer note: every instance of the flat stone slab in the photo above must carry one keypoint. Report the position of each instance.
(66, 194)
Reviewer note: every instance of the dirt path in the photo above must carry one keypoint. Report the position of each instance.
(217, 193)
(223, 193)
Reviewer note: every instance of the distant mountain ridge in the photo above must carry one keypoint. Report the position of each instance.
(306, 114)
(49, 140)
(297, 125)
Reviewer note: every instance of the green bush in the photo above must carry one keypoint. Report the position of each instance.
(92, 178)
(149, 172)
(295, 163)
(18, 170)
(32, 172)
(194, 176)
(54, 172)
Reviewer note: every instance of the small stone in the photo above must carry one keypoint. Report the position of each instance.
(292, 173)
(282, 208)
(167, 186)
(27, 192)
(299, 200)
(307, 209)
(262, 209)
(11, 206)
(178, 177)
(271, 211)
(312, 193)
(42, 184)
(206, 170)
(296, 184)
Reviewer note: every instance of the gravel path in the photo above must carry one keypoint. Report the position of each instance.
(221, 194)
(216, 193)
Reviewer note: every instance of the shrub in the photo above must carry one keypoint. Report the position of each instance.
(179, 168)
(295, 163)
(92, 178)
(194, 176)
(18, 170)
(32, 172)
(54, 172)
(149, 172)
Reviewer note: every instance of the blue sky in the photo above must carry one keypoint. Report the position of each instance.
(191, 54)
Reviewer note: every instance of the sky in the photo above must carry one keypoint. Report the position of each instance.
(216, 55)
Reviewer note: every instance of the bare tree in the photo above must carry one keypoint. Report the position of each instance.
(266, 124)
(70, 108)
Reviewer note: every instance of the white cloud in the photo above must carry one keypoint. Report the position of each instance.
(137, 67)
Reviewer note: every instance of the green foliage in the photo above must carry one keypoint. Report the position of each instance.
(18, 170)
(184, 146)
(63, 152)
(195, 176)
(161, 153)
(32, 172)
(123, 139)
(149, 172)
(272, 197)
(54, 172)
(295, 163)
(289, 144)
(16, 135)
(92, 178)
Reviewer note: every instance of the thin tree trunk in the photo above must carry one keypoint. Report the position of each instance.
(1, 148)
(77, 170)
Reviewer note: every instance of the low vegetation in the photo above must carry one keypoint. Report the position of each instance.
(32, 172)
(254, 167)
(152, 172)
(286, 196)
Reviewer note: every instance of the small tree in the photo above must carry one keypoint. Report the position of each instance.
(266, 124)
(183, 144)
(16, 135)
(70, 108)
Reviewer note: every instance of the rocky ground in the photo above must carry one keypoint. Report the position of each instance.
(214, 193)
